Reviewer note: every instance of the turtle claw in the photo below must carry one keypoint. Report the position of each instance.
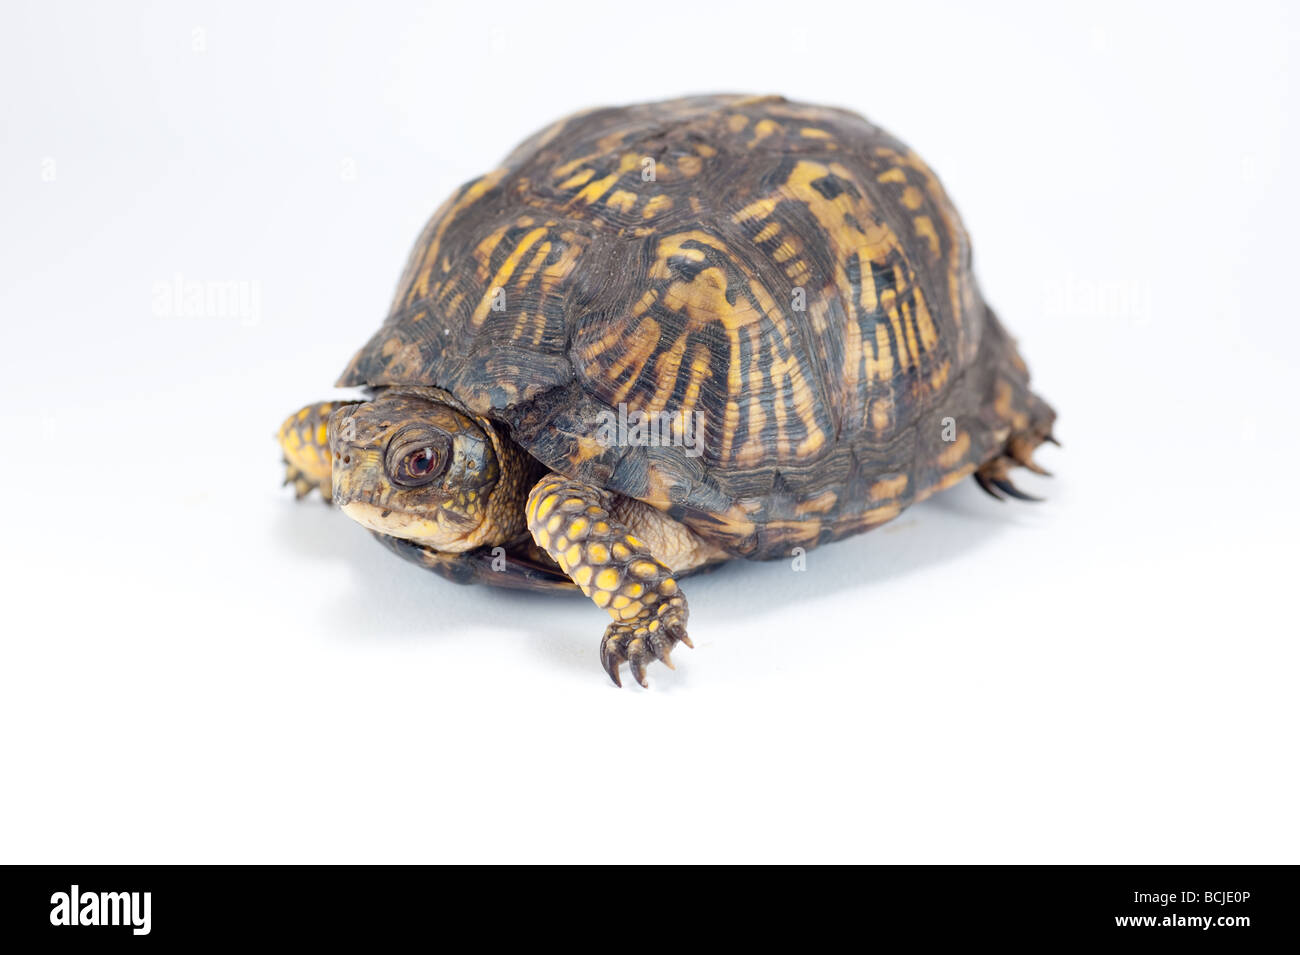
(999, 486)
(622, 644)
(610, 662)
(662, 648)
(994, 476)
(637, 666)
(987, 486)
(302, 485)
(1006, 487)
(1021, 451)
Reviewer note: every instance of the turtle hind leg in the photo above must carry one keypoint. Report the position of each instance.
(305, 446)
(994, 477)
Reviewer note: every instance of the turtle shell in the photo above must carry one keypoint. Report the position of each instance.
(788, 278)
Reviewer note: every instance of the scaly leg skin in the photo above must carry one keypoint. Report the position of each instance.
(306, 450)
(572, 522)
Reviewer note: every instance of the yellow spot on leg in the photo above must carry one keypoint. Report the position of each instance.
(644, 568)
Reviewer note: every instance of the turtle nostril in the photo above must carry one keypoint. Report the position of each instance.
(347, 459)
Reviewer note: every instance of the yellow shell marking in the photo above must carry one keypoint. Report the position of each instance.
(622, 200)
(578, 179)
(655, 205)
(503, 274)
(888, 487)
(955, 453)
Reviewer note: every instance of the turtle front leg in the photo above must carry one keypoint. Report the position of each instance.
(573, 523)
(306, 449)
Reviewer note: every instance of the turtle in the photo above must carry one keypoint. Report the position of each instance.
(662, 336)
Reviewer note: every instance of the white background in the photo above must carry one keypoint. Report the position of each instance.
(196, 668)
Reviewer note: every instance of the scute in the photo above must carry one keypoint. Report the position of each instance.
(790, 273)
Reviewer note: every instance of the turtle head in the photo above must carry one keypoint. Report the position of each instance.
(411, 465)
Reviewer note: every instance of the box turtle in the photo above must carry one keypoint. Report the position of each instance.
(667, 335)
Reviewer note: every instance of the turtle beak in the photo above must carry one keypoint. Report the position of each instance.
(394, 523)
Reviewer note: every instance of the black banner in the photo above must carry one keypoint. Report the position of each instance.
(134, 906)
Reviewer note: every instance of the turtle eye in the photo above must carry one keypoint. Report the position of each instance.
(419, 467)
(422, 462)
(418, 462)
